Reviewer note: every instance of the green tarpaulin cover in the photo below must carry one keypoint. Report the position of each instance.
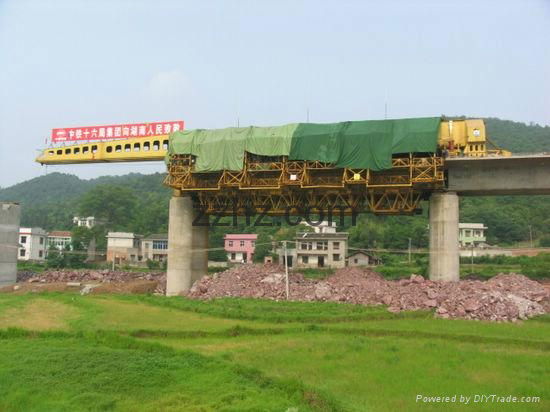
(358, 144)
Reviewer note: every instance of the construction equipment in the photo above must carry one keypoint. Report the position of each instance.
(385, 166)
(142, 149)
(467, 137)
(456, 137)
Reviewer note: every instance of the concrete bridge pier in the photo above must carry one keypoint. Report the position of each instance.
(444, 257)
(187, 244)
(199, 260)
(9, 242)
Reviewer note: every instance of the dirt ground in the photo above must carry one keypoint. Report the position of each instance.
(133, 287)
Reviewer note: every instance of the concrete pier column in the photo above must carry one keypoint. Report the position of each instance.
(444, 257)
(179, 276)
(9, 242)
(200, 250)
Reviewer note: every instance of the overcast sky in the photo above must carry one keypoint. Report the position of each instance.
(77, 63)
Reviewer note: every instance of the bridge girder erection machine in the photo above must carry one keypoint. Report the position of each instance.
(281, 184)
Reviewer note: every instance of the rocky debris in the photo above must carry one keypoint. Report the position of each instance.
(88, 288)
(322, 291)
(24, 275)
(76, 278)
(506, 297)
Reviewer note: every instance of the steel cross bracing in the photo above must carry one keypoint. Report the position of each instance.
(278, 186)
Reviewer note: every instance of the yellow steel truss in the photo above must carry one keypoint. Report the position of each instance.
(278, 186)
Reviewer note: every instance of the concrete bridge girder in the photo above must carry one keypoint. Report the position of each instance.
(493, 176)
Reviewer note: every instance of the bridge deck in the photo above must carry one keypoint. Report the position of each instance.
(515, 175)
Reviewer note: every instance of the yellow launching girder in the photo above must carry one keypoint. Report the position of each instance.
(140, 149)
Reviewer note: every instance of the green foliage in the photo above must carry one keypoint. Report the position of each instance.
(263, 246)
(81, 234)
(115, 205)
(25, 265)
(518, 137)
(72, 257)
(544, 241)
(75, 258)
(534, 267)
(316, 273)
(391, 232)
(55, 258)
(152, 264)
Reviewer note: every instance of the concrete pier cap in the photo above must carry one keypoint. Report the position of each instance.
(187, 246)
(444, 264)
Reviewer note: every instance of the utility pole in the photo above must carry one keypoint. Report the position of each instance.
(286, 271)
(410, 240)
(531, 235)
(472, 259)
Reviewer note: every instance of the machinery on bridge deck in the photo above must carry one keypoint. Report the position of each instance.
(142, 149)
(278, 184)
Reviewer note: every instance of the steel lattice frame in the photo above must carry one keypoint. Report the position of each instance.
(278, 186)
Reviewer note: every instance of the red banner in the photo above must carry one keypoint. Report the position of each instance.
(117, 131)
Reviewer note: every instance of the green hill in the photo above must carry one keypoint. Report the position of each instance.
(51, 201)
(518, 137)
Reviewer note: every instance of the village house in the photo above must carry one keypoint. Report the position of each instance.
(155, 247)
(471, 234)
(88, 222)
(124, 247)
(362, 258)
(240, 247)
(32, 243)
(59, 239)
(317, 250)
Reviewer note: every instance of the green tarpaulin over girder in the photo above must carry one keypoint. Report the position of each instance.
(365, 144)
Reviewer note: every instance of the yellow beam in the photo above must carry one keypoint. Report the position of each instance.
(140, 149)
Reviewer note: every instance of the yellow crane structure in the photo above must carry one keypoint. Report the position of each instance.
(276, 185)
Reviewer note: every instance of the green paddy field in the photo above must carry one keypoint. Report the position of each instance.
(66, 352)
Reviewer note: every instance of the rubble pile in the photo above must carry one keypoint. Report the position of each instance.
(506, 297)
(252, 281)
(92, 276)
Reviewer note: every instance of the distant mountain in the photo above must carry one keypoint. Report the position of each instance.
(518, 137)
(47, 188)
(50, 201)
(55, 187)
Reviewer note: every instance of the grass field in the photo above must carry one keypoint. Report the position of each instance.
(62, 351)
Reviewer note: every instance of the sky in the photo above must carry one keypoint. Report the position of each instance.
(217, 64)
